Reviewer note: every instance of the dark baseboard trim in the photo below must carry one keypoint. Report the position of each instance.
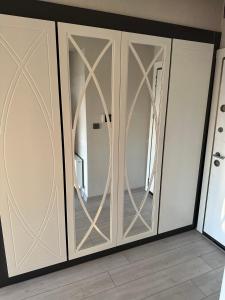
(3, 265)
(82, 16)
(67, 264)
(213, 240)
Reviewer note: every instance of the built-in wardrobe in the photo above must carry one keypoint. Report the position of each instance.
(101, 134)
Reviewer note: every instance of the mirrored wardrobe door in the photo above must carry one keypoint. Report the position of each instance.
(90, 75)
(143, 100)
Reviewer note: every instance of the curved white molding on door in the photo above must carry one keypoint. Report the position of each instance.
(32, 198)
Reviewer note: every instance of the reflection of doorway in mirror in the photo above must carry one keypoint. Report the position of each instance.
(79, 138)
(157, 80)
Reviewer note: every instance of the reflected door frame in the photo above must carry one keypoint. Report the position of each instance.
(165, 43)
(65, 30)
(157, 67)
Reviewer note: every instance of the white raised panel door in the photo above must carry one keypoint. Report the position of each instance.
(142, 114)
(90, 77)
(215, 207)
(32, 198)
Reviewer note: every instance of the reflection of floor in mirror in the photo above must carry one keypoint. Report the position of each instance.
(146, 213)
(82, 223)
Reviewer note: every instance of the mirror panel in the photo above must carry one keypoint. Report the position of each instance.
(90, 64)
(143, 100)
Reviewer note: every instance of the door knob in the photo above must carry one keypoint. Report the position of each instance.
(216, 163)
(222, 108)
(218, 155)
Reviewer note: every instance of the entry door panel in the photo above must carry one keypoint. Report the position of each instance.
(89, 64)
(142, 119)
(32, 198)
(215, 209)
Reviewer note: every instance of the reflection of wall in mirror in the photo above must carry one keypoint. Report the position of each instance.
(92, 145)
(138, 134)
(77, 80)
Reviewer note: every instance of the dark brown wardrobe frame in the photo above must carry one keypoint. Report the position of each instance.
(81, 16)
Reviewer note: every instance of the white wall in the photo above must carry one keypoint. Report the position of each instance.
(204, 14)
(138, 133)
(98, 139)
(92, 145)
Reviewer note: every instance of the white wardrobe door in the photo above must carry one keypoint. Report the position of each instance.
(142, 119)
(188, 94)
(90, 77)
(31, 178)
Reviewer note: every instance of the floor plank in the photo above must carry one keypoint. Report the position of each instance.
(209, 283)
(155, 283)
(185, 291)
(162, 246)
(213, 297)
(79, 290)
(215, 259)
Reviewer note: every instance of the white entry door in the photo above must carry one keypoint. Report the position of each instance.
(31, 173)
(215, 209)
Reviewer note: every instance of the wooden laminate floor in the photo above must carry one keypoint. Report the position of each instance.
(182, 267)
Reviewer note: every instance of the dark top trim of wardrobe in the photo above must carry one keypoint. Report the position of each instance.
(83, 16)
